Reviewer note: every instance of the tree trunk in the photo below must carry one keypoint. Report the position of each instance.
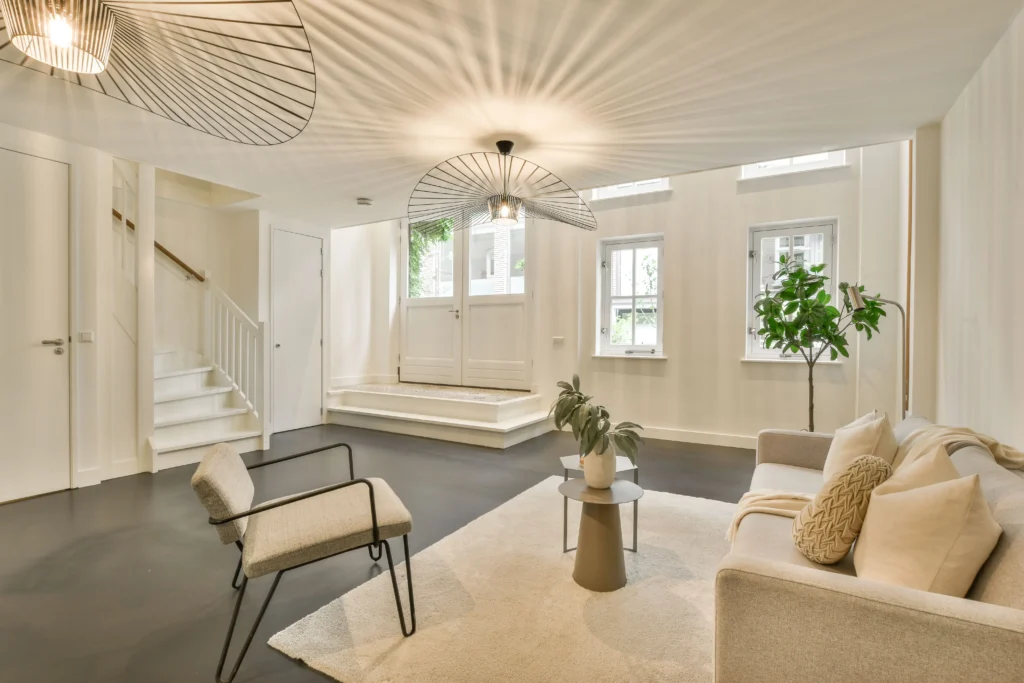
(810, 396)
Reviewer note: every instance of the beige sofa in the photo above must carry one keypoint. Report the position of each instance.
(781, 618)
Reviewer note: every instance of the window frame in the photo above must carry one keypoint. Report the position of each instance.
(835, 159)
(630, 189)
(604, 345)
(754, 351)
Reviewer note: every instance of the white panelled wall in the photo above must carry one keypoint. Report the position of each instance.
(704, 391)
(980, 279)
(364, 286)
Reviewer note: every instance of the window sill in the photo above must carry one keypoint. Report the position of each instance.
(631, 356)
(789, 361)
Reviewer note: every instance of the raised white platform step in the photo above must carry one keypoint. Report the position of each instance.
(500, 434)
(198, 393)
(200, 417)
(458, 403)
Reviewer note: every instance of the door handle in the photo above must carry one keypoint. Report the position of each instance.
(455, 311)
(277, 346)
(53, 342)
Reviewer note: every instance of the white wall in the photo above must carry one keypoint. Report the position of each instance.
(705, 392)
(981, 311)
(222, 243)
(364, 315)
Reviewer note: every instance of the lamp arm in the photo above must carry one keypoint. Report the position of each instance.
(906, 350)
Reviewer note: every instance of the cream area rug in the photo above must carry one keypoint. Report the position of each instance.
(495, 601)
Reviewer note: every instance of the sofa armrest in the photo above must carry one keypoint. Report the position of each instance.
(800, 449)
(778, 622)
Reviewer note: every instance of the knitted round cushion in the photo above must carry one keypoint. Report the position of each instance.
(826, 528)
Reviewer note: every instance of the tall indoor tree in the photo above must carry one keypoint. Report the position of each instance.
(797, 316)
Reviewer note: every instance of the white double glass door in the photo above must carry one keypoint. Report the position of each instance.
(464, 307)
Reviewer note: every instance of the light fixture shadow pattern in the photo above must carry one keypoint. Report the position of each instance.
(240, 70)
(455, 193)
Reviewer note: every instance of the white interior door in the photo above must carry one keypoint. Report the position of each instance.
(431, 308)
(35, 384)
(495, 324)
(297, 283)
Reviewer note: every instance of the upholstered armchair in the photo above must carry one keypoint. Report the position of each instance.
(286, 533)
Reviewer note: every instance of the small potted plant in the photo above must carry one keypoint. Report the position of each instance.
(592, 428)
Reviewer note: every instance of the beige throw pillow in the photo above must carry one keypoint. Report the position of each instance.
(868, 435)
(826, 528)
(927, 528)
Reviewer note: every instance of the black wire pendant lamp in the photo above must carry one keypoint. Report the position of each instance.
(487, 187)
(240, 70)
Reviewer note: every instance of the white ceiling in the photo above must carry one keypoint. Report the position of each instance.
(597, 92)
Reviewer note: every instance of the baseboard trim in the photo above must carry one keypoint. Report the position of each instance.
(124, 468)
(338, 382)
(704, 438)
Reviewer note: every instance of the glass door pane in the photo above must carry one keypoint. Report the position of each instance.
(497, 259)
(431, 263)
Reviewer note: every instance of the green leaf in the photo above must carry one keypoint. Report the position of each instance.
(576, 382)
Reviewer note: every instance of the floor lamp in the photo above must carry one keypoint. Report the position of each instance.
(858, 305)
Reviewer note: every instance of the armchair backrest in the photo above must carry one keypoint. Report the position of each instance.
(224, 488)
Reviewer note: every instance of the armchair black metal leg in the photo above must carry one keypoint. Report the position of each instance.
(380, 552)
(252, 633)
(394, 585)
(238, 569)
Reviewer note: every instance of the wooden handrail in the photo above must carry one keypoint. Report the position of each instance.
(162, 249)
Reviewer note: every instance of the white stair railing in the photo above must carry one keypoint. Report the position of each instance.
(234, 344)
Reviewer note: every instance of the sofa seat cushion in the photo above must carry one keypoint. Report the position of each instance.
(770, 537)
(321, 526)
(786, 478)
(1001, 579)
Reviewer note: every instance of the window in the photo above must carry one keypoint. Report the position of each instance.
(631, 297)
(805, 242)
(627, 189)
(807, 162)
(497, 258)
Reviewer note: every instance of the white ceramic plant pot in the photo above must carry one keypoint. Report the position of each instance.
(599, 469)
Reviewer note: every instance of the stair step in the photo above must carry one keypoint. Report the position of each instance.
(200, 417)
(169, 445)
(200, 393)
(182, 373)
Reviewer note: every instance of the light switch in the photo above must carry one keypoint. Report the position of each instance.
(87, 337)
(558, 340)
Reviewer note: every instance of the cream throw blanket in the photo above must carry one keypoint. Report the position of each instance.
(923, 440)
(779, 503)
(920, 442)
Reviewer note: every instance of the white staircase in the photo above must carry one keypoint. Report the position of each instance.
(483, 417)
(217, 397)
(194, 408)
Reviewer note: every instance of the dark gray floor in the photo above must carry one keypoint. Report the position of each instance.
(126, 582)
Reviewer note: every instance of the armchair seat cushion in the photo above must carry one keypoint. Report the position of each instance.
(787, 478)
(318, 527)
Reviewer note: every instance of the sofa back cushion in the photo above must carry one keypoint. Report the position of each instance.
(1001, 579)
(908, 426)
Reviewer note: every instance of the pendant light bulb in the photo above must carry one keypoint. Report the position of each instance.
(59, 31)
(504, 209)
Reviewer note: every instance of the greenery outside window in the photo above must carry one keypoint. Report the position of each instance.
(631, 291)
